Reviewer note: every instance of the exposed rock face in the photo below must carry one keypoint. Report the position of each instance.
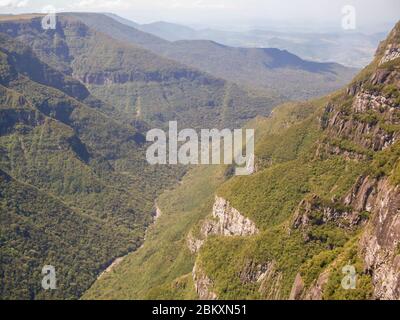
(124, 76)
(362, 131)
(315, 290)
(202, 284)
(361, 195)
(380, 242)
(265, 275)
(253, 272)
(297, 288)
(230, 221)
(157, 213)
(313, 211)
(391, 53)
(194, 244)
(365, 101)
(225, 221)
(271, 282)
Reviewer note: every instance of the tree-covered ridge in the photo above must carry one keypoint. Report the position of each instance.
(269, 69)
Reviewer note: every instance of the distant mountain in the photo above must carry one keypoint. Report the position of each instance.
(273, 69)
(267, 69)
(169, 31)
(348, 48)
(123, 20)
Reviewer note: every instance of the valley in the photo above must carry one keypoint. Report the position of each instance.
(78, 192)
(324, 196)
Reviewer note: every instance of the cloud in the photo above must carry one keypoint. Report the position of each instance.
(103, 4)
(199, 4)
(14, 3)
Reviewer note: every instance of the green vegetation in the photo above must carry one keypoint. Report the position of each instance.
(348, 256)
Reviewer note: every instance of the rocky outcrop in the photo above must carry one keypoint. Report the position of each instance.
(313, 211)
(254, 272)
(297, 288)
(270, 282)
(391, 53)
(365, 101)
(265, 275)
(194, 244)
(360, 128)
(314, 292)
(225, 221)
(230, 222)
(202, 284)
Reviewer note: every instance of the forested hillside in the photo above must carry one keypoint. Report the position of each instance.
(138, 84)
(77, 191)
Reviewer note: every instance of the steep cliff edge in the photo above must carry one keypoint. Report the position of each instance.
(380, 243)
(364, 125)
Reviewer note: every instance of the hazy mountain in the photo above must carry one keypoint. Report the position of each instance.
(273, 69)
(169, 31)
(348, 48)
(267, 69)
(324, 199)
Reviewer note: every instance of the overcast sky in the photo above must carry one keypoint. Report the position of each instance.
(313, 15)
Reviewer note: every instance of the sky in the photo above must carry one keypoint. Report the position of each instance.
(292, 15)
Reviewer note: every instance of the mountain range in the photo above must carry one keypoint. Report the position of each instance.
(271, 70)
(348, 48)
